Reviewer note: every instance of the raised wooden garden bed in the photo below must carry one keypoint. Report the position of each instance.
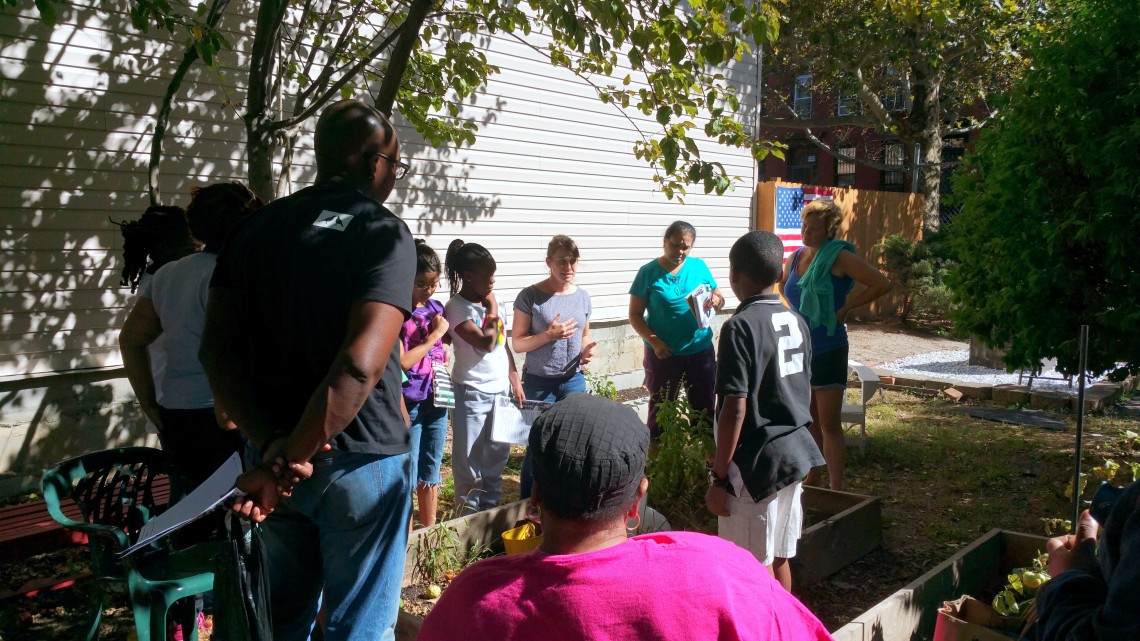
(844, 528)
(910, 613)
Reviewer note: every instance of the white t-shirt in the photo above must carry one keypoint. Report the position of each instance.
(487, 372)
(178, 292)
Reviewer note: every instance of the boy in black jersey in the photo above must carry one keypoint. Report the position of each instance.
(763, 381)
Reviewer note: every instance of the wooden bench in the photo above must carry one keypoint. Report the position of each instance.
(27, 529)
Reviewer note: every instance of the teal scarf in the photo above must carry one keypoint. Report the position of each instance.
(817, 296)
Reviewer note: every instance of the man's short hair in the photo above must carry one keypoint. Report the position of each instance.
(760, 256)
(343, 128)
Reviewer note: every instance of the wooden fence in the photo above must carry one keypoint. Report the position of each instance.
(868, 217)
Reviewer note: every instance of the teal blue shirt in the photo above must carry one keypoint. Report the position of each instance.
(667, 311)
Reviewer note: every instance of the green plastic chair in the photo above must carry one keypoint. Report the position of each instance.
(114, 492)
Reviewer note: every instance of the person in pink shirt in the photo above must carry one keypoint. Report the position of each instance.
(589, 579)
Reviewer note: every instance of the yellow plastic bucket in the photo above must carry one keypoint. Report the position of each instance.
(522, 539)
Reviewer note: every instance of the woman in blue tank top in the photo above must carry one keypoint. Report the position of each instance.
(817, 282)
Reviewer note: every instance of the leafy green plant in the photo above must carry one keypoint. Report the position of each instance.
(919, 269)
(1048, 197)
(1022, 587)
(678, 473)
(440, 554)
(601, 385)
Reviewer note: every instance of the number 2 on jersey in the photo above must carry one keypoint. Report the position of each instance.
(789, 363)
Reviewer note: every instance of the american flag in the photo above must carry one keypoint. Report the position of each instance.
(789, 202)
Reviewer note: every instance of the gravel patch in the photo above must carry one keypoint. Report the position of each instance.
(955, 365)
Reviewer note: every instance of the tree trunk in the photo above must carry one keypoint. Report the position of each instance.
(260, 142)
(930, 179)
(285, 179)
(927, 117)
(401, 53)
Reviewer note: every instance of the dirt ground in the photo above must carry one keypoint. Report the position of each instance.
(875, 343)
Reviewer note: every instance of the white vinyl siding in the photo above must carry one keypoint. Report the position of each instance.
(77, 112)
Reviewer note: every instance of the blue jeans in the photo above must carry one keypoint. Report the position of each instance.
(547, 390)
(344, 531)
(429, 433)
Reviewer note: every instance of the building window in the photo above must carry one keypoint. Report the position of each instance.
(801, 97)
(845, 169)
(846, 103)
(801, 164)
(894, 99)
(894, 154)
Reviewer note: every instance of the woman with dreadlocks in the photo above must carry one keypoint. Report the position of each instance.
(172, 304)
(159, 237)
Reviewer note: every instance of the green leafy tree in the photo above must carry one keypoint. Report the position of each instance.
(419, 58)
(918, 269)
(1046, 236)
(918, 70)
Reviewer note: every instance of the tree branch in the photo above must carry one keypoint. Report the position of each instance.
(305, 13)
(348, 74)
(977, 125)
(854, 120)
(872, 102)
(398, 62)
(867, 162)
(318, 84)
(162, 121)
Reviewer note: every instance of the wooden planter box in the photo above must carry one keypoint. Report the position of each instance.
(482, 527)
(910, 613)
(850, 528)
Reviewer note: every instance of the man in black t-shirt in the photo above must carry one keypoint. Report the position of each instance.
(305, 307)
(763, 379)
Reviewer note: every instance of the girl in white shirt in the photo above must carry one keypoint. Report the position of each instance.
(484, 370)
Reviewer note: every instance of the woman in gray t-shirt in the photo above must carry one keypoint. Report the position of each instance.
(552, 327)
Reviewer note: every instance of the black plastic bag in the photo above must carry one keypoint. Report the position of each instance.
(241, 585)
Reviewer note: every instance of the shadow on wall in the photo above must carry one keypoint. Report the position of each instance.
(437, 191)
(78, 119)
(78, 107)
(54, 418)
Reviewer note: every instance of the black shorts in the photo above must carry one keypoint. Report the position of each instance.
(829, 369)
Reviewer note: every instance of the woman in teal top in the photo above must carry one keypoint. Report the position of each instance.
(678, 351)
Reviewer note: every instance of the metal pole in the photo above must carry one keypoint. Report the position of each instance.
(917, 168)
(1084, 347)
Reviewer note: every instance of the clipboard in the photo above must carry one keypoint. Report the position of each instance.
(509, 424)
(207, 496)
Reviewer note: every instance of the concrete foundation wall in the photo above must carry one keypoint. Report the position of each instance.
(46, 419)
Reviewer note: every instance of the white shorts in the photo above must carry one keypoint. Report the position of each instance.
(770, 528)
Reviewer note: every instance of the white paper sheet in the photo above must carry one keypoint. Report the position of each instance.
(204, 498)
(697, 300)
(509, 424)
